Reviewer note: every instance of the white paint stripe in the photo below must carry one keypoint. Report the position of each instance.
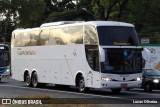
(30, 88)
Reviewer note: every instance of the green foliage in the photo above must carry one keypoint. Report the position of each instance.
(109, 9)
(70, 15)
(31, 13)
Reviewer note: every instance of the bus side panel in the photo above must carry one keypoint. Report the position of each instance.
(53, 64)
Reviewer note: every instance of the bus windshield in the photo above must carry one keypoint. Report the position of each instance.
(4, 59)
(117, 35)
(122, 60)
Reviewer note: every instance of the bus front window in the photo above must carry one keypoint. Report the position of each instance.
(117, 35)
(4, 59)
(118, 60)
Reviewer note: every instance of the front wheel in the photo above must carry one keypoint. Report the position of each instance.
(116, 90)
(81, 84)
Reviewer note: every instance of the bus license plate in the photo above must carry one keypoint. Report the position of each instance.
(124, 85)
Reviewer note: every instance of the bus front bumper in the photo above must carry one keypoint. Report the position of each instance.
(7, 74)
(120, 84)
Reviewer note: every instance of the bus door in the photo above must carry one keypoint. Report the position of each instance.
(93, 72)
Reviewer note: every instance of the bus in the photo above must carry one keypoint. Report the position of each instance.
(93, 54)
(4, 61)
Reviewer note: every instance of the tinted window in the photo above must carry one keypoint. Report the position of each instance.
(117, 35)
(90, 37)
(118, 60)
(53, 35)
(72, 35)
(4, 56)
(43, 37)
(34, 36)
(92, 55)
(66, 35)
(18, 39)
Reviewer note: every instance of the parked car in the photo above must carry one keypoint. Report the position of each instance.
(150, 79)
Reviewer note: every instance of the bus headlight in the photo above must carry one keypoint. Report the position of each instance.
(7, 70)
(106, 79)
(156, 81)
(139, 78)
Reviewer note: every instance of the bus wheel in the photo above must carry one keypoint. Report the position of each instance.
(27, 80)
(116, 90)
(81, 84)
(34, 80)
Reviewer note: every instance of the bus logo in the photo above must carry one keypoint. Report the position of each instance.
(6, 101)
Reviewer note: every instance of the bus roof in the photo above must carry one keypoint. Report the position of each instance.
(109, 23)
(70, 23)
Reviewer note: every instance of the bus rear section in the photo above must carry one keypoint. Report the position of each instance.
(4, 61)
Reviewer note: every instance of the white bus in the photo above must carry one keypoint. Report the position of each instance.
(94, 54)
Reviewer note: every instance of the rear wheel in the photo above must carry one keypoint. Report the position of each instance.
(34, 80)
(116, 90)
(27, 80)
(148, 87)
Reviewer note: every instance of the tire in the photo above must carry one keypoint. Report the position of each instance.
(34, 80)
(27, 80)
(148, 87)
(81, 84)
(116, 90)
(0, 79)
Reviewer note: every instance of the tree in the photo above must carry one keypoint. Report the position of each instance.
(103, 9)
(8, 13)
(70, 15)
(31, 12)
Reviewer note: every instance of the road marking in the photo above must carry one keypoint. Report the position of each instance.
(92, 95)
(85, 94)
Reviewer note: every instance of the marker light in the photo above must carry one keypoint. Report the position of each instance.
(106, 79)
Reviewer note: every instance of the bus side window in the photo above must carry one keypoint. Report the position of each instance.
(43, 37)
(18, 39)
(75, 35)
(92, 56)
(90, 37)
(34, 36)
(52, 40)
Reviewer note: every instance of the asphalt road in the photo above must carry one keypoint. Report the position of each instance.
(10, 88)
